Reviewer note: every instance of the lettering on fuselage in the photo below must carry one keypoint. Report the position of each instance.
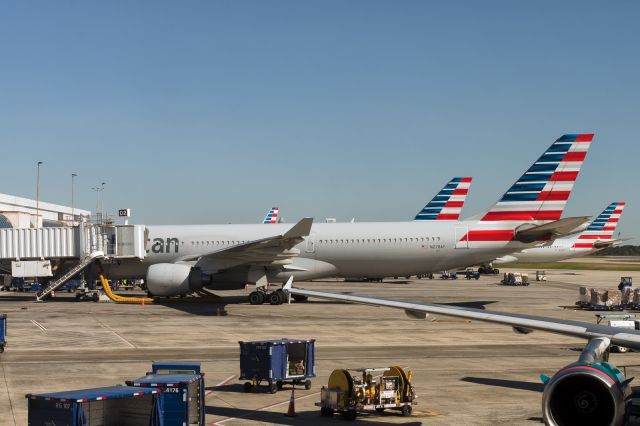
(161, 245)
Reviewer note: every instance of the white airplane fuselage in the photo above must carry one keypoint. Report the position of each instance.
(375, 249)
(561, 249)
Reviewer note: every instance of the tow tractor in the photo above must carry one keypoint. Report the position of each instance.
(354, 391)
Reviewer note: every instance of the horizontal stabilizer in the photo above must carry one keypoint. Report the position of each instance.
(609, 243)
(528, 233)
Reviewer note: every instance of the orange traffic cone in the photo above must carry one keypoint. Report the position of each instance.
(142, 301)
(291, 412)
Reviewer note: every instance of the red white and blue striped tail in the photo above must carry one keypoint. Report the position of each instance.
(272, 216)
(542, 192)
(602, 228)
(448, 203)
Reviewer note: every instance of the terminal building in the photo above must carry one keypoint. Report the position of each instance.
(17, 212)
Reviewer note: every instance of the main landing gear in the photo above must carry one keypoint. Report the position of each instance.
(277, 297)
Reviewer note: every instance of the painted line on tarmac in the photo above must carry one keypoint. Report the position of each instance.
(40, 326)
(219, 422)
(222, 383)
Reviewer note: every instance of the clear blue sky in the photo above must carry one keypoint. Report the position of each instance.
(213, 111)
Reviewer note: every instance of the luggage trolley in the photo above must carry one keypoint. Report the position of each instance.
(182, 397)
(3, 332)
(277, 362)
(96, 407)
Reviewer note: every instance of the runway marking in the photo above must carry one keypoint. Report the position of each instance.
(40, 326)
(224, 382)
(219, 422)
(429, 413)
(131, 345)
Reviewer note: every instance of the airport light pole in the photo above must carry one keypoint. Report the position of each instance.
(38, 195)
(73, 212)
(102, 198)
(98, 215)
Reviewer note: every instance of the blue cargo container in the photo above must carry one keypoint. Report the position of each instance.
(277, 362)
(182, 397)
(3, 332)
(130, 406)
(175, 367)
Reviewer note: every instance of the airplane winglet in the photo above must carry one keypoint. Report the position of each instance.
(300, 229)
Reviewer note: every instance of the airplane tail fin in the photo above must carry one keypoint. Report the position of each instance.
(448, 203)
(272, 216)
(601, 230)
(542, 192)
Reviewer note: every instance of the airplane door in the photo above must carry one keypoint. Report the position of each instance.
(461, 232)
(311, 243)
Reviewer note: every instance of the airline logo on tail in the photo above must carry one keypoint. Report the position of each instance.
(272, 216)
(540, 194)
(448, 203)
(602, 227)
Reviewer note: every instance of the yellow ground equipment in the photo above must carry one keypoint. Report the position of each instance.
(120, 299)
(350, 392)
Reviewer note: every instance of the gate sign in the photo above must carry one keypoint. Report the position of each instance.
(124, 212)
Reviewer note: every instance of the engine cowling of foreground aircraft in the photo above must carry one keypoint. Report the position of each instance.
(586, 394)
(172, 279)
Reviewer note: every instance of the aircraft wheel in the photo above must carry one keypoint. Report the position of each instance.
(256, 298)
(275, 298)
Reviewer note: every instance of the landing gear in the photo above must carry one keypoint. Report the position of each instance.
(257, 297)
(277, 297)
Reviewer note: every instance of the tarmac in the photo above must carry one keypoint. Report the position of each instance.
(464, 372)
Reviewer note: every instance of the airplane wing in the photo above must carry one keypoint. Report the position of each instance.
(558, 228)
(275, 250)
(520, 323)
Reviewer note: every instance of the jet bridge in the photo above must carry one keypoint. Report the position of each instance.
(28, 249)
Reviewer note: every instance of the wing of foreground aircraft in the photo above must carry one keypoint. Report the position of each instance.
(591, 391)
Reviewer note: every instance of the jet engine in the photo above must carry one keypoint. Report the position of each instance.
(586, 394)
(172, 279)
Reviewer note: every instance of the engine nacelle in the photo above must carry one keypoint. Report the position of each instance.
(172, 279)
(586, 394)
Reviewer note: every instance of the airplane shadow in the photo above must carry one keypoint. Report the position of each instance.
(475, 304)
(511, 384)
(308, 417)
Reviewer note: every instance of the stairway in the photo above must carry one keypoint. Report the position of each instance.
(53, 285)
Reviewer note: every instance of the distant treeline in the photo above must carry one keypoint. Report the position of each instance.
(619, 251)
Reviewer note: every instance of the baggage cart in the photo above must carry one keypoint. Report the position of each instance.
(121, 405)
(175, 367)
(277, 362)
(3, 332)
(181, 399)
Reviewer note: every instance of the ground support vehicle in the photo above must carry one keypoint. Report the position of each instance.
(515, 278)
(488, 270)
(471, 274)
(541, 275)
(121, 405)
(354, 391)
(3, 332)
(277, 362)
(181, 399)
(446, 275)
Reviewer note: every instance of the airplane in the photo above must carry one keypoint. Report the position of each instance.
(272, 216)
(597, 236)
(448, 203)
(185, 258)
(590, 391)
